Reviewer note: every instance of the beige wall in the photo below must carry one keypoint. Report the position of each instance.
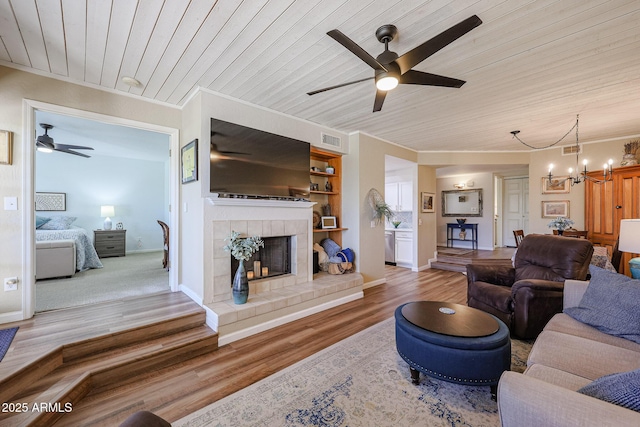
(15, 86)
(596, 154)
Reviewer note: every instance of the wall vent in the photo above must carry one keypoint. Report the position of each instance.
(569, 150)
(334, 141)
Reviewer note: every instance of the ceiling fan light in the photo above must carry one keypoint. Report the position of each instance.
(44, 149)
(387, 82)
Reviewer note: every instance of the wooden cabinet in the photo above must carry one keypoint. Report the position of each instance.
(606, 204)
(328, 192)
(109, 243)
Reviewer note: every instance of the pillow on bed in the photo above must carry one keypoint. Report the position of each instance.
(41, 220)
(58, 223)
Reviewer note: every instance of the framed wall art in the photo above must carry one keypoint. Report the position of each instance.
(6, 147)
(51, 201)
(189, 162)
(557, 185)
(329, 222)
(555, 208)
(427, 202)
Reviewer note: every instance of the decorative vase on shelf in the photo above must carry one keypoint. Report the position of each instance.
(240, 287)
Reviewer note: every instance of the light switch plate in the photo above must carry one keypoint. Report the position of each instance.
(10, 203)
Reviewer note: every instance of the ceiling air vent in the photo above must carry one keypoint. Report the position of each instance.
(334, 141)
(568, 150)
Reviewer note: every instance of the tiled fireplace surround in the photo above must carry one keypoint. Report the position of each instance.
(272, 301)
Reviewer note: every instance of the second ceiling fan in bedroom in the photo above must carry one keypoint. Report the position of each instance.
(46, 144)
(391, 69)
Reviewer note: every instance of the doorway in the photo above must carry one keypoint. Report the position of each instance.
(30, 124)
(515, 208)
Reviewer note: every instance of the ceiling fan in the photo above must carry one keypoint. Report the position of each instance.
(391, 69)
(45, 144)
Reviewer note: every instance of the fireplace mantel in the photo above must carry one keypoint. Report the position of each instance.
(226, 201)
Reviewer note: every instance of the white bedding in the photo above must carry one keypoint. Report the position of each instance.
(86, 255)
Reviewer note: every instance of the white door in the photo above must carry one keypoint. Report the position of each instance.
(404, 248)
(515, 209)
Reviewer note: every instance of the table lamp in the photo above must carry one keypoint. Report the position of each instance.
(630, 242)
(107, 211)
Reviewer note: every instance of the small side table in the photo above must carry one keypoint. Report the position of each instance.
(109, 243)
(474, 234)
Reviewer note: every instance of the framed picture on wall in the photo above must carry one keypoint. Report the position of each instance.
(6, 147)
(555, 208)
(189, 162)
(51, 201)
(427, 202)
(329, 222)
(557, 185)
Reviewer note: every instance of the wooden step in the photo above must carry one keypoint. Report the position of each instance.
(461, 268)
(97, 362)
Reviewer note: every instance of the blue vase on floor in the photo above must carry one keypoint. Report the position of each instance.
(240, 286)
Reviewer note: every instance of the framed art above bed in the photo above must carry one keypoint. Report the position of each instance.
(51, 201)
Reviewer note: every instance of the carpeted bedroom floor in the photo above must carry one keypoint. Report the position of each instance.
(121, 277)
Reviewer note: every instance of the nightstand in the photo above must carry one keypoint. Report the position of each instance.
(109, 243)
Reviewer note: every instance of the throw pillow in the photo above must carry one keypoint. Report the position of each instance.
(610, 304)
(59, 223)
(41, 220)
(621, 389)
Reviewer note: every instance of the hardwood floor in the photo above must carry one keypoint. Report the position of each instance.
(187, 386)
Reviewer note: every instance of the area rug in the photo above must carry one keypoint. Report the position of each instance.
(6, 337)
(454, 251)
(360, 381)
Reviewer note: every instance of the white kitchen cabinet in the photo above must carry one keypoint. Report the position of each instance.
(404, 248)
(399, 195)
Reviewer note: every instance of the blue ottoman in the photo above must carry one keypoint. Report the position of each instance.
(467, 358)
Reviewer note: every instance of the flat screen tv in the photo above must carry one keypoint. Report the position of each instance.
(246, 162)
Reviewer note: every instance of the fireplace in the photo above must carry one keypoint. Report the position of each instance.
(274, 259)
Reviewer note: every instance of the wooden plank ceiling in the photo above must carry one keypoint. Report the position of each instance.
(531, 65)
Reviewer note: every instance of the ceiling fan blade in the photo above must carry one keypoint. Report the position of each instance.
(428, 48)
(73, 147)
(337, 86)
(69, 151)
(414, 77)
(377, 104)
(356, 49)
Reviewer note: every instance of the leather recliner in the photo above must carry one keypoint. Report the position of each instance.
(526, 296)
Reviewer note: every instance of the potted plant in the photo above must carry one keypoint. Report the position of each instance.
(241, 248)
(379, 207)
(561, 223)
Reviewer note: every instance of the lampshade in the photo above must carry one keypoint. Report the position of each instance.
(629, 236)
(107, 211)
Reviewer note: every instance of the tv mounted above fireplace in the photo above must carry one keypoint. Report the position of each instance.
(250, 163)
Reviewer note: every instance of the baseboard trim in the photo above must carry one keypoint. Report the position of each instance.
(244, 333)
(13, 316)
(373, 283)
(189, 292)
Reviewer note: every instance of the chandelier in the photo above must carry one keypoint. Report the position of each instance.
(575, 176)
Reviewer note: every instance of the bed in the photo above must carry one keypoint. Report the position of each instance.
(86, 255)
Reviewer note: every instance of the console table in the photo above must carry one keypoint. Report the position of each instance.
(473, 228)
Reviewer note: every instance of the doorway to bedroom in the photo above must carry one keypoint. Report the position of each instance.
(127, 178)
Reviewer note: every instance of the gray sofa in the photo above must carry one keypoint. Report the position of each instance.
(565, 357)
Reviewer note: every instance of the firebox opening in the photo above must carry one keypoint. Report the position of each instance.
(272, 260)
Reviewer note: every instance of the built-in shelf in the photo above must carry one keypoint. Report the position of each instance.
(329, 230)
(317, 173)
(334, 193)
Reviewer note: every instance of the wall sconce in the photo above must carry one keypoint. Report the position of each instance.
(459, 186)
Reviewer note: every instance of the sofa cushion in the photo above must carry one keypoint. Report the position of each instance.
(610, 305)
(581, 356)
(41, 220)
(568, 325)
(555, 376)
(622, 389)
(58, 223)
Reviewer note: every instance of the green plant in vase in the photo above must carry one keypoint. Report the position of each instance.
(241, 248)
